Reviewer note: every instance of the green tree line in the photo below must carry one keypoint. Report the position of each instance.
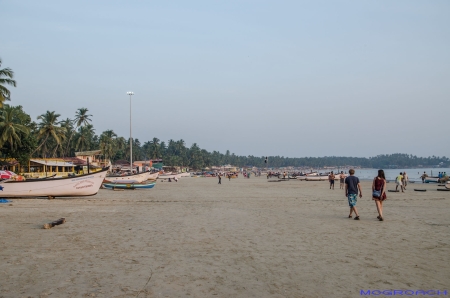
(50, 137)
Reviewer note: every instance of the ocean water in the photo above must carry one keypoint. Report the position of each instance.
(391, 174)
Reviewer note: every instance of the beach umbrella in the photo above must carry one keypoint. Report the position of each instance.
(6, 174)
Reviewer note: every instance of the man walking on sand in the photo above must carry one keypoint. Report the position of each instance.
(352, 187)
(331, 179)
(341, 180)
(220, 178)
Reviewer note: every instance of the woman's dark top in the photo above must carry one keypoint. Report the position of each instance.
(379, 183)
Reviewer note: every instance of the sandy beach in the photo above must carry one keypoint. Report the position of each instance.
(244, 238)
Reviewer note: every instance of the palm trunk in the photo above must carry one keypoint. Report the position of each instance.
(40, 145)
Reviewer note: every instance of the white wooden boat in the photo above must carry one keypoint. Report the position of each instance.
(316, 178)
(431, 180)
(301, 177)
(447, 185)
(337, 176)
(83, 185)
(141, 177)
(167, 176)
(153, 176)
(185, 174)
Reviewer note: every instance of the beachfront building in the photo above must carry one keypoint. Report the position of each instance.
(39, 168)
(157, 164)
(143, 165)
(94, 157)
(57, 167)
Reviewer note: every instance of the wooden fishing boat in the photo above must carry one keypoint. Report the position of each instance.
(171, 176)
(83, 185)
(447, 185)
(431, 180)
(153, 176)
(337, 176)
(185, 174)
(316, 178)
(301, 177)
(129, 185)
(141, 177)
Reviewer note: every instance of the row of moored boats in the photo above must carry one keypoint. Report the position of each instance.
(82, 185)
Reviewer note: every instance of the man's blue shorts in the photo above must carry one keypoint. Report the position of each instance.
(352, 199)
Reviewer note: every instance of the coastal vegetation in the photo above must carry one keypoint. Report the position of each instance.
(52, 137)
(21, 138)
(6, 78)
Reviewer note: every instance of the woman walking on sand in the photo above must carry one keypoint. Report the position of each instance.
(379, 192)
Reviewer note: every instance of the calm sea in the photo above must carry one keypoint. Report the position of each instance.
(413, 174)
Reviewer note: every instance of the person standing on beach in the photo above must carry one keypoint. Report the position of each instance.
(405, 180)
(341, 180)
(379, 184)
(220, 179)
(424, 176)
(331, 179)
(352, 187)
(399, 181)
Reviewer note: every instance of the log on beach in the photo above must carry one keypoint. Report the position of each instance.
(54, 223)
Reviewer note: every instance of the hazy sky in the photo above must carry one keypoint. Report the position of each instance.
(291, 78)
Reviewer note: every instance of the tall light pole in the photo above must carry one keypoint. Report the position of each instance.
(131, 140)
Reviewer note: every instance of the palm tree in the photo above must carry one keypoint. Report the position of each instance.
(68, 125)
(6, 78)
(162, 149)
(81, 117)
(155, 151)
(84, 137)
(11, 126)
(48, 130)
(107, 143)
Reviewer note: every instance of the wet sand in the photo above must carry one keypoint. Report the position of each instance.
(244, 238)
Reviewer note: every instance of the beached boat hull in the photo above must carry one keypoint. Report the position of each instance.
(129, 185)
(185, 175)
(84, 185)
(447, 185)
(153, 176)
(169, 176)
(316, 178)
(431, 180)
(137, 177)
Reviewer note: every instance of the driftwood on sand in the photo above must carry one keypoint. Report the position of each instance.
(54, 223)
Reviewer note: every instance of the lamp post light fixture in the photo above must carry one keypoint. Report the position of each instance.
(131, 139)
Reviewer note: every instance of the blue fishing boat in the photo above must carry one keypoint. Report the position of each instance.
(129, 185)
